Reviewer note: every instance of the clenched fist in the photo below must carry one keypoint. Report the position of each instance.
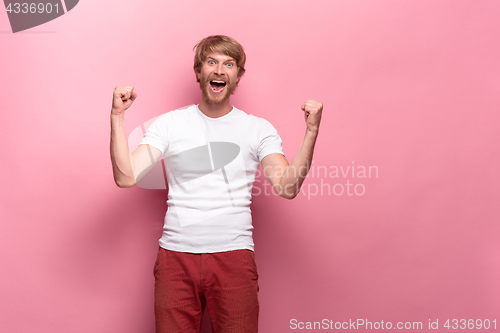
(312, 114)
(123, 97)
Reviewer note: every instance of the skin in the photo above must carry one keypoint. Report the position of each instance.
(286, 178)
(217, 66)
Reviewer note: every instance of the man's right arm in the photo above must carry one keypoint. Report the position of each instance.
(128, 169)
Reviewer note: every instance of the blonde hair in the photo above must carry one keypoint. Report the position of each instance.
(222, 44)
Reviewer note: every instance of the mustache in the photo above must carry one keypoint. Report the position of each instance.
(217, 78)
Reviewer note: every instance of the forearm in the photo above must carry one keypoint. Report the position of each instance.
(297, 170)
(120, 154)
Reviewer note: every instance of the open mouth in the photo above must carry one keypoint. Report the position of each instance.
(217, 85)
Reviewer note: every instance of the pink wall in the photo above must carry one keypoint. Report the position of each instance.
(410, 88)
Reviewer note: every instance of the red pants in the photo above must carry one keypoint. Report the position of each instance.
(224, 282)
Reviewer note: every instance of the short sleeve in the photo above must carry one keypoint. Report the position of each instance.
(157, 133)
(269, 140)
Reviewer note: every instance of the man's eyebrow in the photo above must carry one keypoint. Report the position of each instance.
(229, 60)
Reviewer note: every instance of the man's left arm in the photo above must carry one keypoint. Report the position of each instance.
(286, 178)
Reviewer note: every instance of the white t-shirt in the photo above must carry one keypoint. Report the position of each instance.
(210, 165)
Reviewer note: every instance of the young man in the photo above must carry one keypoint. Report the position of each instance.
(211, 152)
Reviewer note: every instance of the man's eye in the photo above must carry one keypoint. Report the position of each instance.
(230, 65)
(211, 62)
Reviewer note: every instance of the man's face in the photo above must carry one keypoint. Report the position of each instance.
(218, 77)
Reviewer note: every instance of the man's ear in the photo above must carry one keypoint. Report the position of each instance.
(240, 74)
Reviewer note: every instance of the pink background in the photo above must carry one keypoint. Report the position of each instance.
(411, 87)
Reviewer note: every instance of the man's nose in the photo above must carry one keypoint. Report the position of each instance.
(219, 69)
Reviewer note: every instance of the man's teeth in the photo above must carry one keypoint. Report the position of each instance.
(217, 85)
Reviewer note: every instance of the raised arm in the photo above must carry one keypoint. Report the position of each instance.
(286, 178)
(128, 168)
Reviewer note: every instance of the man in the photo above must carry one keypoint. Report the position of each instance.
(211, 152)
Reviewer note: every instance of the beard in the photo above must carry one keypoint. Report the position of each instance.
(213, 98)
